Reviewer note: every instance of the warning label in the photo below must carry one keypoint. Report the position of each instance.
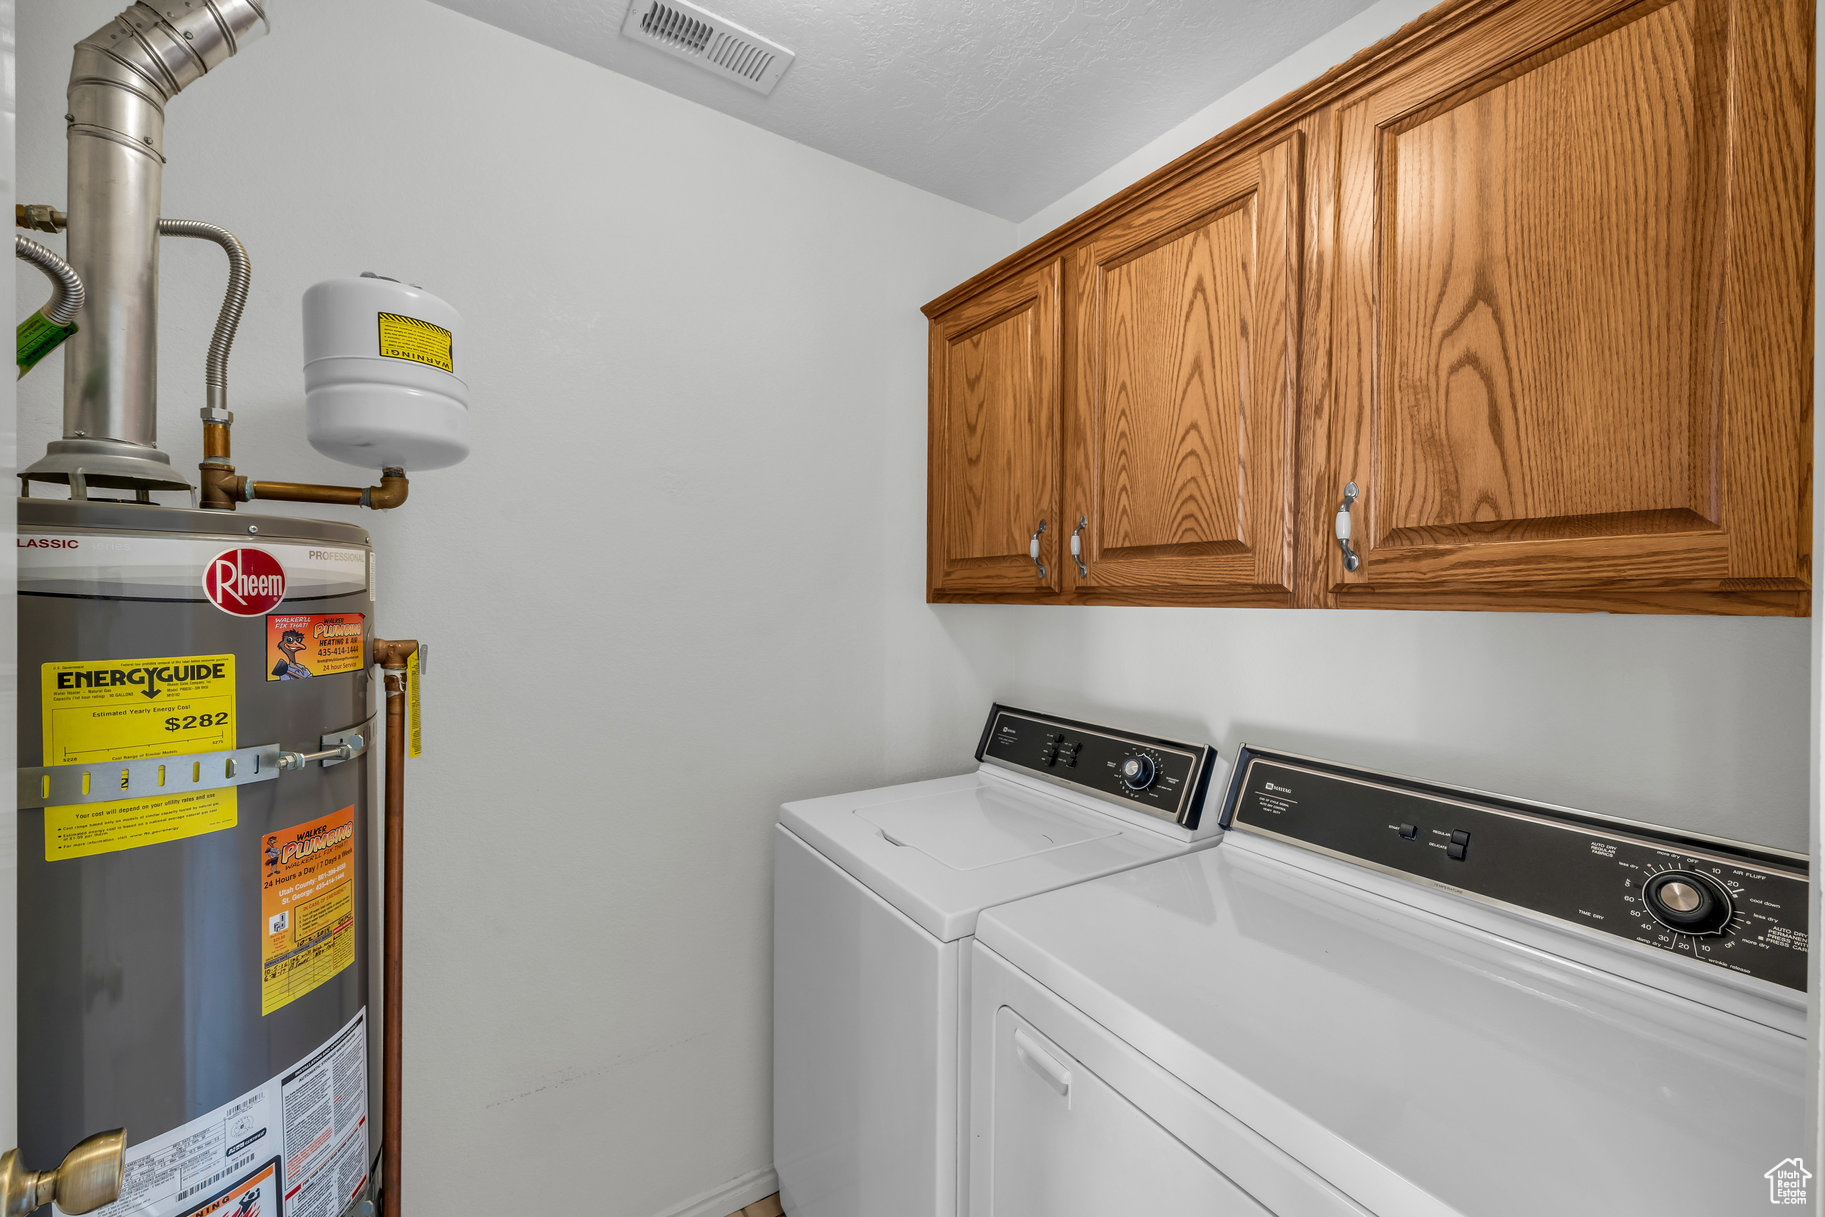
(293, 1146)
(128, 710)
(409, 338)
(301, 646)
(255, 1196)
(326, 1105)
(307, 900)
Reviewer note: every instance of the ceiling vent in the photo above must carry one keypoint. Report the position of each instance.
(712, 43)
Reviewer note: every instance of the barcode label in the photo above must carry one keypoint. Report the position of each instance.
(214, 1179)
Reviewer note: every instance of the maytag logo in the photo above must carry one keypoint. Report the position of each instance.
(1278, 789)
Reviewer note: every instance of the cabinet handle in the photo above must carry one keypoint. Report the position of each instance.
(1042, 1063)
(1033, 549)
(1077, 547)
(1351, 559)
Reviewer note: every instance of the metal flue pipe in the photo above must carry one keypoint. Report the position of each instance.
(122, 76)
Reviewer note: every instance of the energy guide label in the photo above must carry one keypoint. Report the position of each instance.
(96, 711)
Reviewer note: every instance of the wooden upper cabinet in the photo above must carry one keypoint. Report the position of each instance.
(994, 442)
(1179, 438)
(1534, 275)
(1572, 357)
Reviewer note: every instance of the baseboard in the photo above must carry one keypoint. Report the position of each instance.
(731, 1197)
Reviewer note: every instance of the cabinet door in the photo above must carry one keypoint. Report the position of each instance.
(1179, 449)
(1573, 309)
(994, 457)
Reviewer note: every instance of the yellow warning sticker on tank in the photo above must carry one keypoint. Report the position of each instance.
(129, 710)
(307, 901)
(415, 736)
(403, 337)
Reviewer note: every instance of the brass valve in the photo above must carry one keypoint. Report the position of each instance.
(89, 1177)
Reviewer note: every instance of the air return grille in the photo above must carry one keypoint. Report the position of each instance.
(712, 43)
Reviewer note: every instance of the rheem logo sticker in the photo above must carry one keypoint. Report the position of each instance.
(245, 582)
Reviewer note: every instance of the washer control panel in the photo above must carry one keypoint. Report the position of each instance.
(1161, 777)
(1717, 903)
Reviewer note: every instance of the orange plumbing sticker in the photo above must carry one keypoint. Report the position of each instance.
(307, 900)
(404, 337)
(301, 646)
(255, 1196)
(97, 711)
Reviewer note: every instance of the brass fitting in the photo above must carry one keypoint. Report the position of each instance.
(89, 1177)
(220, 489)
(392, 654)
(39, 216)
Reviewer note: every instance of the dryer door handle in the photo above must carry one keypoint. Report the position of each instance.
(1042, 1062)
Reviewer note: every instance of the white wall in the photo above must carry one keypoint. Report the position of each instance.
(654, 595)
(1696, 722)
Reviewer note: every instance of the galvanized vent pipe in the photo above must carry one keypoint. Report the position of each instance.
(123, 75)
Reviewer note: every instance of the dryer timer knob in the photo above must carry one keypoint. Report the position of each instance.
(1137, 772)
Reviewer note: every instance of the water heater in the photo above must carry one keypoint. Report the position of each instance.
(206, 977)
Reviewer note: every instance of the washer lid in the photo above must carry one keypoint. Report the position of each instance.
(970, 829)
(942, 851)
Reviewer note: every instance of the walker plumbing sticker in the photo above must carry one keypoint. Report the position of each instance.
(134, 709)
(307, 901)
(322, 645)
(293, 1146)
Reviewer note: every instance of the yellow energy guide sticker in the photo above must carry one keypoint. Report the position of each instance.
(307, 898)
(403, 337)
(129, 710)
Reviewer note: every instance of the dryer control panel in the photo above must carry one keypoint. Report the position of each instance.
(1717, 903)
(1161, 777)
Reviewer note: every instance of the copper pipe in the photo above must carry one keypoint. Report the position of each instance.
(301, 492)
(215, 441)
(222, 489)
(392, 656)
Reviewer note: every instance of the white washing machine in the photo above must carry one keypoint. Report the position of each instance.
(875, 902)
(1384, 996)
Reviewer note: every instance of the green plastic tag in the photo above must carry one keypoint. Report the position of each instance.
(38, 337)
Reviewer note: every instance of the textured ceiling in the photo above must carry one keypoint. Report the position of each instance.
(1001, 104)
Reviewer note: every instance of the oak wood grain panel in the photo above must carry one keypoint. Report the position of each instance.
(993, 459)
(1768, 294)
(1557, 364)
(1531, 598)
(1544, 278)
(1183, 393)
(1316, 493)
(1173, 355)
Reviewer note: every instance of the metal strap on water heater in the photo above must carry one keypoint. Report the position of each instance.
(153, 777)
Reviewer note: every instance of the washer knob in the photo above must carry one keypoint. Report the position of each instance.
(1137, 772)
(1687, 902)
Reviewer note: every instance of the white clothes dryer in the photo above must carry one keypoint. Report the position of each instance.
(1386, 996)
(875, 902)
